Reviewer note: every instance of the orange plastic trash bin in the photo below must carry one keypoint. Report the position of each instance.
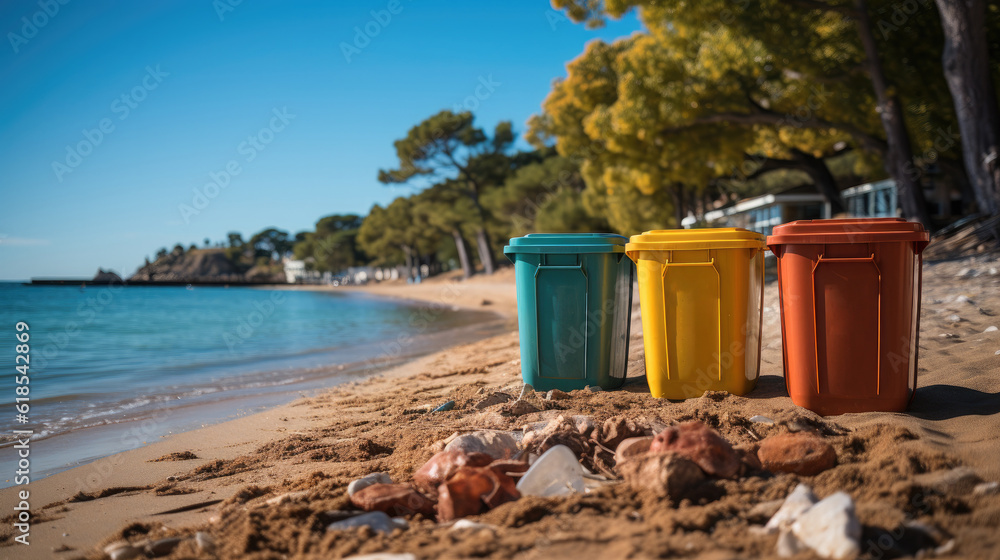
(850, 312)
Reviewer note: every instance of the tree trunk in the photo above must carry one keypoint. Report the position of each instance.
(957, 173)
(463, 252)
(822, 178)
(485, 250)
(408, 254)
(967, 70)
(482, 239)
(899, 156)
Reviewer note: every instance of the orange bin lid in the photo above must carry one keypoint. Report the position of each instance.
(855, 230)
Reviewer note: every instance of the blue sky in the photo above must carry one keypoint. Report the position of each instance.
(115, 115)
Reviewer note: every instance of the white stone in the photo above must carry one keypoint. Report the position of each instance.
(787, 544)
(798, 500)
(499, 445)
(991, 328)
(204, 541)
(761, 420)
(831, 527)
(526, 390)
(945, 549)
(954, 318)
(986, 489)
(126, 552)
(122, 550)
(555, 473)
(377, 520)
(468, 524)
(962, 299)
(366, 481)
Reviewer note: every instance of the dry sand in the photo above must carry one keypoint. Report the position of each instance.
(218, 479)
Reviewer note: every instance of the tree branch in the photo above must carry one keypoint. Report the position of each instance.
(823, 6)
(767, 117)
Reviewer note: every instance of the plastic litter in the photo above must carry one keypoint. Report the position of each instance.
(555, 473)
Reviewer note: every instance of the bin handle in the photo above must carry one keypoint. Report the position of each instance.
(916, 334)
(869, 259)
(718, 323)
(781, 315)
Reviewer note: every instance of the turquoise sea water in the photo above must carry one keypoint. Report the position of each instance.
(103, 356)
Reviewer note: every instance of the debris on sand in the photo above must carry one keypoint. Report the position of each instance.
(828, 527)
(472, 490)
(702, 445)
(445, 407)
(668, 473)
(801, 453)
(555, 473)
(496, 444)
(556, 395)
(798, 501)
(377, 521)
(559, 431)
(366, 481)
(619, 428)
(442, 465)
(631, 447)
(394, 499)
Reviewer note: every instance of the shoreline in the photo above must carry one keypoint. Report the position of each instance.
(105, 440)
(136, 469)
(317, 445)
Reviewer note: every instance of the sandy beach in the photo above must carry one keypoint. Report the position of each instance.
(267, 485)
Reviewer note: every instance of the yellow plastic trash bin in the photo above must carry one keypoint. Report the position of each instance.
(700, 291)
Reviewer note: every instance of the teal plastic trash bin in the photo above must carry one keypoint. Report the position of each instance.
(574, 302)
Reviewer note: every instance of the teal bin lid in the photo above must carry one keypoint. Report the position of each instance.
(567, 243)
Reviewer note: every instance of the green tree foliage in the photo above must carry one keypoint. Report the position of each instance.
(544, 196)
(394, 235)
(448, 145)
(446, 209)
(333, 245)
(272, 243)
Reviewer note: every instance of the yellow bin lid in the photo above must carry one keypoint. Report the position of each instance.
(695, 239)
